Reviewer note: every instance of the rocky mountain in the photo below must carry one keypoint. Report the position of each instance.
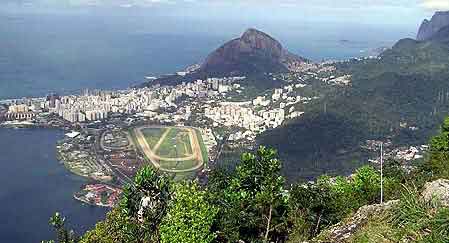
(442, 36)
(253, 54)
(254, 51)
(430, 27)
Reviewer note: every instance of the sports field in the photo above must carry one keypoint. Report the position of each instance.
(172, 149)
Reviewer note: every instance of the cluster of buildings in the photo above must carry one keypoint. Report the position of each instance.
(403, 154)
(241, 114)
(100, 195)
(210, 87)
(259, 114)
(410, 153)
(21, 111)
(100, 105)
(342, 80)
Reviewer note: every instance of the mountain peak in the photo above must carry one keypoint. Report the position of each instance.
(254, 51)
(254, 32)
(430, 27)
(439, 13)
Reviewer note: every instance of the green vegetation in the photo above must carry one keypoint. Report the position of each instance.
(176, 144)
(251, 203)
(408, 84)
(178, 165)
(190, 216)
(63, 235)
(411, 221)
(204, 152)
(152, 135)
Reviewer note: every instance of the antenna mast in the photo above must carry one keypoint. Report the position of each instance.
(381, 173)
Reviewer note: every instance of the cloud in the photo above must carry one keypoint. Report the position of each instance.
(436, 4)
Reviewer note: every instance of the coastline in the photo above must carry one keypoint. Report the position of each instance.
(101, 195)
(89, 203)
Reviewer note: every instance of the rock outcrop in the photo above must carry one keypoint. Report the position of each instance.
(430, 27)
(442, 36)
(254, 51)
(342, 231)
(437, 192)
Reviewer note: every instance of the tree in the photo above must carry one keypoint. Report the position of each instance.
(190, 216)
(254, 203)
(437, 165)
(133, 220)
(315, 206)
(62, 234)
(145, 203)
(366, 182)
(115, 228)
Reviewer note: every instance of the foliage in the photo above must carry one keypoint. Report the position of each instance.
(328, 201)
(190, 216)
(147, 183)
(437, 165)
(307, 152)
(63, 235)
(115, 228)
(407, 84)
(312, 207)
(130, 221)
(420, 221)
(253, 205)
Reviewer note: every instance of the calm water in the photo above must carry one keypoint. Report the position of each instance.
(34, 185)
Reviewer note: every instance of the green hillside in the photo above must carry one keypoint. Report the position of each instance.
(409, 83)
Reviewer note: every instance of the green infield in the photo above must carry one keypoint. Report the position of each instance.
(178, 165)
(176, 144)
(153, 135)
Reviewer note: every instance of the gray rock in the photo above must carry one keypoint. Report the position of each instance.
(437, 192)
(253, 51)
(342, 231)
(430, 27)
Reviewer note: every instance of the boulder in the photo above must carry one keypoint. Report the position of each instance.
(437, 192)
(345, 229)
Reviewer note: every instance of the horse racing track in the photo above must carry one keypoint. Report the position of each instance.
(172, 149)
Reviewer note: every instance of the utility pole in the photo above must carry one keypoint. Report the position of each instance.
(381, 173)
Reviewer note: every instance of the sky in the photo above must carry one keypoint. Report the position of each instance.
(395, 12)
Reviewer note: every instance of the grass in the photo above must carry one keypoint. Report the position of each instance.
(178, 137)
(412, 220)
(375, 231)
(181, 165)
(152, 135)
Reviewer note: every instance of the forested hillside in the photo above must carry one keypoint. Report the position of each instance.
(408, 84)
